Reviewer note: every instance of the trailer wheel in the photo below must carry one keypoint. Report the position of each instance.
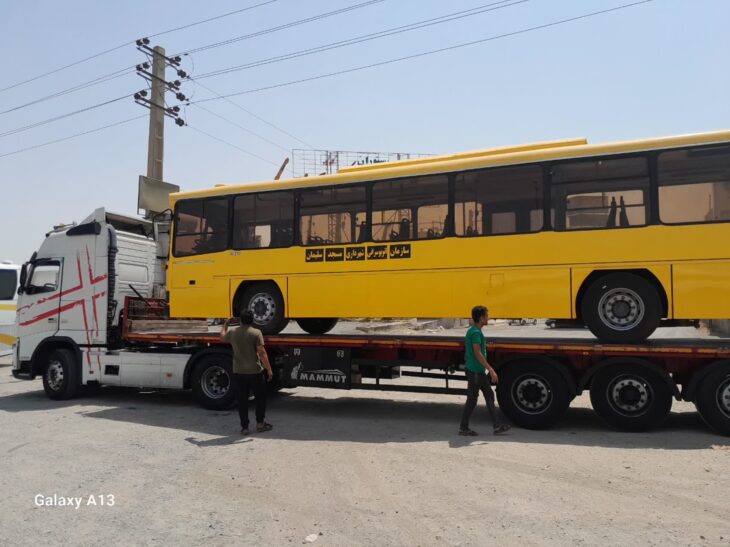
(212, 381)
(621, 308)
(713, 399)
(61, 375)
(532, 393)
(267, 305)
(631, 396)
(317, 325)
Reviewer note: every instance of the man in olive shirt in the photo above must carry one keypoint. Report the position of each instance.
(479, 374)
(248, 355)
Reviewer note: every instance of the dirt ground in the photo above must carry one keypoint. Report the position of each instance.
(348, 468)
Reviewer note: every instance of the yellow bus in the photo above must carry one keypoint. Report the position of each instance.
(618, 235)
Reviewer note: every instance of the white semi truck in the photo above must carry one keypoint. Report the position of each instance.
(92, 310)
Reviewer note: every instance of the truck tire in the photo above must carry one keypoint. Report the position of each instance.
(621, 308)
(712, 399)
(532, 393)
(267, 305)
(61, 374)
(631, 396)
(317, 325)
(212, 381)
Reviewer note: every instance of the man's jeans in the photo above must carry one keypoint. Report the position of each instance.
(477, 382)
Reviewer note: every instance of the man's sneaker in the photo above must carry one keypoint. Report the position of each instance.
(245, 431)
(502, 429)
(468, 432)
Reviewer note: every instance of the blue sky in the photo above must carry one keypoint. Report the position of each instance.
(651, 70)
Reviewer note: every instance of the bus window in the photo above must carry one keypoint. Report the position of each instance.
(694, 185)
(600, 194)
(263, 220)
(499, 201)
(412, 208)
(332, 215)
(8, 284)
(201, 226)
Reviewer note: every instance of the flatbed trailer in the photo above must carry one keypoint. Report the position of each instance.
(632, 386)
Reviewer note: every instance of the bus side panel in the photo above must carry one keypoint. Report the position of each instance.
(204, 302)
(523, 292)
(702, 290)
(662, 272)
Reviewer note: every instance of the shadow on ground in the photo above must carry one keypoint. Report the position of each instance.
(301, 417)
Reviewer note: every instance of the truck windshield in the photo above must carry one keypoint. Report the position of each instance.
(8, 283)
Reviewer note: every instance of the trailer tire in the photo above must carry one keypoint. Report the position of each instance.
(212, 381)
(61, 375)
(712, 399)
(621, 308)
(267, 305)
(631, 397)
(317, 325)
(532, 393)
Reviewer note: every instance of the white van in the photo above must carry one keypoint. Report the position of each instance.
(9, 274)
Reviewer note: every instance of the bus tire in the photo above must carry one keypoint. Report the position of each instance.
(621, 308)
(532, 393)
(317, 325)
(61, 375)
(712, 399)
(267, 305)
(212, 381)
(631, 397)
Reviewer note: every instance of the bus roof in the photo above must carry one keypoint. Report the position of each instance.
(528, 153)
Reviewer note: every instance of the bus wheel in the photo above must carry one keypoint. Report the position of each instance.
(621, 308)
(267, 305)
(631, 396)
(212, 381)
(713, 399)
(532, 393)
(317, 325)
(61, 375)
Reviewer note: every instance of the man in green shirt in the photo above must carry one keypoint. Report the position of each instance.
(479, 374)
(249, 362)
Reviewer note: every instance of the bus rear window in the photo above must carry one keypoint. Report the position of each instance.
(201, 226)
(694, 185)
(8, 283)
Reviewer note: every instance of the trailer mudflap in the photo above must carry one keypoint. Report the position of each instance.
(319, 367)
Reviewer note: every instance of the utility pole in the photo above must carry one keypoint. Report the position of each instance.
(156, 78)
(156, 142)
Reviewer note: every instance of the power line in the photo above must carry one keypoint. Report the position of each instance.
(62, 116)
(368, 37)
(125, 44)
(252, 114)
(130, 69)
(283, 27)
(72, 136)
(231, 145)
(426, 53)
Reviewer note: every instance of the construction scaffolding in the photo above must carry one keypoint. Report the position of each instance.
(309, 163)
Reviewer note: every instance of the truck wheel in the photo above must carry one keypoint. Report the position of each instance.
(267, 305)
(317, 325)
(61, 375)
(621, 308)
(713, 399)
(631, 396)
(533, 394)
(212, 381)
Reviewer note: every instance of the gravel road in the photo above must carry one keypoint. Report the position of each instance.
(348, 468)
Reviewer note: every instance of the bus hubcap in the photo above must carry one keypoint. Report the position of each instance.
(532, 394)
(630, 395)
(54, 375)
(215, 382)
(723, 397)
(263, 308)
(621, 309)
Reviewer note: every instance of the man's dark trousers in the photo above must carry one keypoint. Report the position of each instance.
(477, 382)
(247, 383)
